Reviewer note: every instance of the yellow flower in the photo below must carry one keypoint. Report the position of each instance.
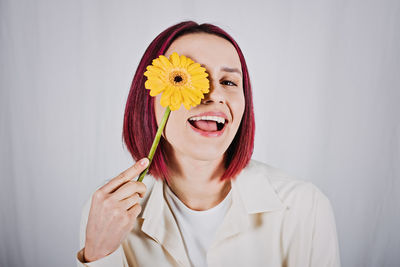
(179, 79)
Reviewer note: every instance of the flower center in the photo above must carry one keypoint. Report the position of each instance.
(178, 78)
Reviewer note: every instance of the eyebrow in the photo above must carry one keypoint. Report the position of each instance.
(231, 70)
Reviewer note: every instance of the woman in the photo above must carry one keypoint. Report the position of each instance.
(205, 202)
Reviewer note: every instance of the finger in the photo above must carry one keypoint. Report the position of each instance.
(128, 189)
(134, 211)
(125, 176)
(127, 203)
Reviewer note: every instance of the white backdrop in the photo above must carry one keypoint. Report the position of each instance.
(326, 84)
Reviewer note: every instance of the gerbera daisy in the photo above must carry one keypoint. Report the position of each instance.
(179, 79)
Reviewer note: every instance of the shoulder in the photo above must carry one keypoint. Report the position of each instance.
(291, 191)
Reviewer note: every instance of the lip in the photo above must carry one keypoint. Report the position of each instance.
(210, 113)
(208, 134)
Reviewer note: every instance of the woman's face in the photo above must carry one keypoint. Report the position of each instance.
(202, 139)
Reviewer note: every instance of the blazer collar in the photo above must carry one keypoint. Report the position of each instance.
(252, 192)
(255, 188)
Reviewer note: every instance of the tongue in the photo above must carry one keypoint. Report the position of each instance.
(209, 126)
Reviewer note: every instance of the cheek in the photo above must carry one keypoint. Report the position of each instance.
(238, 106)
(173, 128)
(175, 125)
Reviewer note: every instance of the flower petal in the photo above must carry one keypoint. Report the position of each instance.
(174, 58)
(197, 70)
(198, 76)
(166, 97)
(156, 91)
(191, 98)
(189, 62)
(166, 63)
(183, 61)
(193, 66)
(154, 84)
(154, 70)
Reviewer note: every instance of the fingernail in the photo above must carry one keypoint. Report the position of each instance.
(144, 161)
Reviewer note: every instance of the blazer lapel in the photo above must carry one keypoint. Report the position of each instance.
(159, 223)
(236, 219)
(252, 193)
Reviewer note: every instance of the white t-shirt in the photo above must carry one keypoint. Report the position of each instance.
(198, 228)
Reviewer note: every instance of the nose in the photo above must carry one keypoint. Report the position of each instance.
(215, 94)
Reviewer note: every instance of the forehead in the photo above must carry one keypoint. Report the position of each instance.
(211, 51)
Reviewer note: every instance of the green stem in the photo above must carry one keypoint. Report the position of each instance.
(155, 142)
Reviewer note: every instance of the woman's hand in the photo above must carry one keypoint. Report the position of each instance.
(113, 211)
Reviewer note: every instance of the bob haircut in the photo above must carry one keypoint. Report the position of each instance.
(140, 126)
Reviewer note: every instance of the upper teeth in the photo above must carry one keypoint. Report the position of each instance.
(208, 118)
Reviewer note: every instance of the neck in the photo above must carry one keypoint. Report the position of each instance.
(197, 182)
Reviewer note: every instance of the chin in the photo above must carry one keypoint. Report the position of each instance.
(206, 154)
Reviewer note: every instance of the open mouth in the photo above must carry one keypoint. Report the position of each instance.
(208, 125)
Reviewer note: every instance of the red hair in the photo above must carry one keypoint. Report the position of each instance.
(140, 124)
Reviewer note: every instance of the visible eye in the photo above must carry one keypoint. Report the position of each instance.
(230, 83)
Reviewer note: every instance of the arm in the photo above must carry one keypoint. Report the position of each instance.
(324, 247)
(108, 218)
(116, 258)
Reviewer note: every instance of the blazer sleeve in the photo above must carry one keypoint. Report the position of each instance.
(115, 259)
(325, 247)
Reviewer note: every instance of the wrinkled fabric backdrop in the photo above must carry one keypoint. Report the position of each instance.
(326, 84)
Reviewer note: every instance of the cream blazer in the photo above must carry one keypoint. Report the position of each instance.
(274, 220)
